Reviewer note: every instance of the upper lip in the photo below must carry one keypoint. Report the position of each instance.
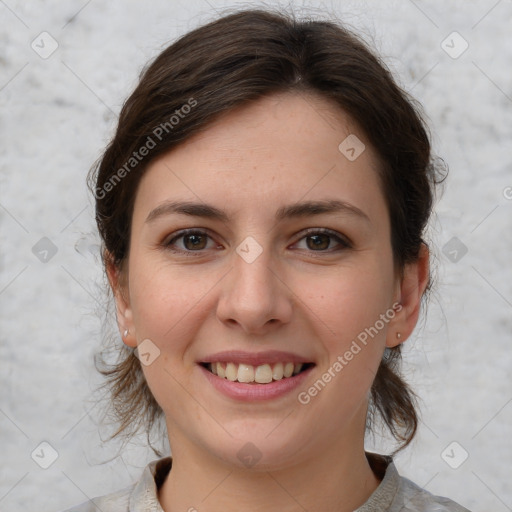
(254, 358)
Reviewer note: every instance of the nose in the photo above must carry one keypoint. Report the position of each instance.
(254, 297)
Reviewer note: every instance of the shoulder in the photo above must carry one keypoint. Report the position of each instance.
(398, 494)
(415, 499)
(138, 497)
(115, 502)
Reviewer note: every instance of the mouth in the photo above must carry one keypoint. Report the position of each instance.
(265, 373)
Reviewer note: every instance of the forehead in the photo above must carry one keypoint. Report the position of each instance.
(282, 148)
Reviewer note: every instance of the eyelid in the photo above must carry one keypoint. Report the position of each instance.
(168, 241)
(342, 239)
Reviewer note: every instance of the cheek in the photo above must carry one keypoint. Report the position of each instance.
(352, 300)
(168, 311)
(349, 305)
(352, 335)
(164, 299)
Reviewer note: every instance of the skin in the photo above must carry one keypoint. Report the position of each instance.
(277, 151)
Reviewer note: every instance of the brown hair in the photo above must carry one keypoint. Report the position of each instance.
(233, 61)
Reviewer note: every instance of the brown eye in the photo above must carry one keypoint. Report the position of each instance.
(318, 242)
(322, 240)
(190, 241)
(194, 242)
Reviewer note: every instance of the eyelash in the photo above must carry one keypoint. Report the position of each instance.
(342, 241)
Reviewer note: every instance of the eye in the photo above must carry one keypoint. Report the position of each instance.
(190, 240)
(322, 240)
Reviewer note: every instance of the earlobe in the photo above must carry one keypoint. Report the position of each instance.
(413, 284)
(125, 324)
(122, 302)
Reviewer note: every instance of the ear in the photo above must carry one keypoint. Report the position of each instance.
(412, 286)
(119, 284)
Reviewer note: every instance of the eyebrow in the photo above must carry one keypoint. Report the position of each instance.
(301, 209)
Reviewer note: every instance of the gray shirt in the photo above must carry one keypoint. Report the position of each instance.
(394, 494)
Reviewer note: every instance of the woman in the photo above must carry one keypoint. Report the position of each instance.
(262, 207)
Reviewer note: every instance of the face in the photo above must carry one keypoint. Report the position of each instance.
(254, 245)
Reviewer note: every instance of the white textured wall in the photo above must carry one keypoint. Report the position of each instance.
(58, 113)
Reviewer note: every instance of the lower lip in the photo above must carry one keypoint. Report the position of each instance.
(256, 392)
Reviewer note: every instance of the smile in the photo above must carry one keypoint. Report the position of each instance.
(261, 374)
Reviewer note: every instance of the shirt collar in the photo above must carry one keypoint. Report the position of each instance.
(382, 498)
(145, 493)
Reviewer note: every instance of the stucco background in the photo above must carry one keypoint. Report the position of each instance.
(58, 112)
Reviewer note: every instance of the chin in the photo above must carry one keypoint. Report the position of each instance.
(258, 448)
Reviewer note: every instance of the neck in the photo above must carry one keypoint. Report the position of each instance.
(339, 478)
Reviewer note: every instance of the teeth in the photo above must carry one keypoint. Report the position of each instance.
(288, 369)
(278, 371)
(247, 373)
(263, 374)
(231, 372)
(297, 368)
(221, 371)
